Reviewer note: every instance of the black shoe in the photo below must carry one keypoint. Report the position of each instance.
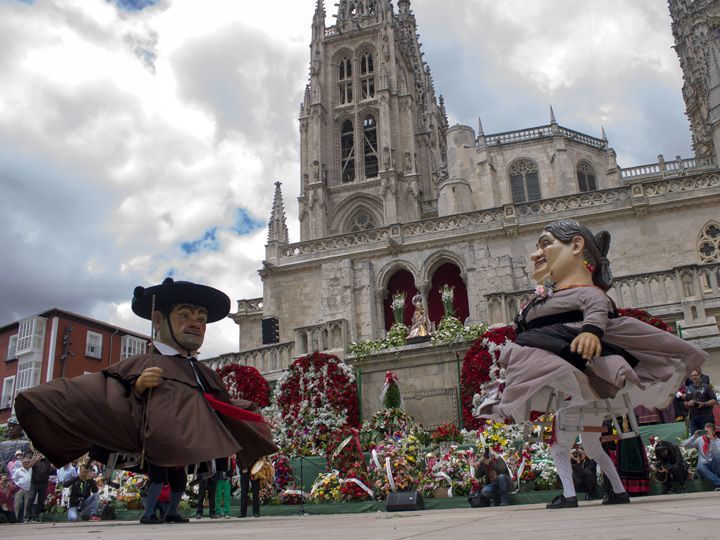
(242, 515)
(175, 518)
(617, 498)
(256, 515)
(562, 502)
(213, 516)
(680, 489)
(198, 516)
(152, 520)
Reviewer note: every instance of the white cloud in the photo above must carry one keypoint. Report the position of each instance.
(123, 135)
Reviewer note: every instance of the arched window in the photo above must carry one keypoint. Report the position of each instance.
(401, 281)
(370, 147)
(448, 274)
(524, 181)
(587, 179)
(345, 81)
(709, 243)
(367, 77)
(347, 152)
(362, 221)
(372, 7)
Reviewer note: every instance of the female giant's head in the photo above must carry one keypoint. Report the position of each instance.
(577, 246)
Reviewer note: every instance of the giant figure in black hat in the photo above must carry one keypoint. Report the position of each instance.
(166, 408)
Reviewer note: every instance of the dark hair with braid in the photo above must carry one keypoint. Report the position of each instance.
(596, 247)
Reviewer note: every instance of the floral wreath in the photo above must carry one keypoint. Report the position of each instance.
(245, 382)
(316, 396)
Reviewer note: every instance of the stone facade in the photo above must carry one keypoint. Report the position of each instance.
(477, 201)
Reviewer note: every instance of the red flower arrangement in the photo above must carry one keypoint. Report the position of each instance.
(644, 316)
(284, 478)
(476, 368)
(315, 397)
(245, 382)
(448, 432)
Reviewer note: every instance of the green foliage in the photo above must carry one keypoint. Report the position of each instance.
(392, 396)
(394, 338)
(451, 330)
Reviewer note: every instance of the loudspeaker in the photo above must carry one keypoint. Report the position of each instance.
(270, 330)
(400, 501)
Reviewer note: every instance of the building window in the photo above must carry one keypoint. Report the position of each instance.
(372, 7)
(524, 181)
(28, 373)
(587, 179)
(31, 335)
(131, 345)
(345, 81)
(8, 390)
(362, 221)
(367, 77)
(370, 147)
(93, 345)
(12, 348)
(347, 152)
(709, 243)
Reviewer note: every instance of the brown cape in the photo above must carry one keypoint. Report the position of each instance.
(65, 417)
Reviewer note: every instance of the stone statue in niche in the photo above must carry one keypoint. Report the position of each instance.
(421, 326)
(387, 159)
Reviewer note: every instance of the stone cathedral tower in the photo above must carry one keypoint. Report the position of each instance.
(372, 132)
(696, 28)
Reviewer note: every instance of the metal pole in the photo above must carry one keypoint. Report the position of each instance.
(459, 391)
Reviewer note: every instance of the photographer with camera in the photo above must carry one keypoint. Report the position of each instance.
(707, 445)
(670, 467)
(699, 399)
(84, 496)
(584, 472)
(493, 471)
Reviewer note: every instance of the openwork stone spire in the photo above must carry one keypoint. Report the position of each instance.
(277, 228)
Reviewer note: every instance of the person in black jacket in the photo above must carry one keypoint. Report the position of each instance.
(84, 496)
(41, 471)
(670, 467)
(584, 473)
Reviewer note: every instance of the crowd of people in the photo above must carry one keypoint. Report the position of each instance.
(30, 486)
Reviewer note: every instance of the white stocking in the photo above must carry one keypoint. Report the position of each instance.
(561, 457)
(594, 450)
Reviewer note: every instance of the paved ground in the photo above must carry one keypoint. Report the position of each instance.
(695, 515)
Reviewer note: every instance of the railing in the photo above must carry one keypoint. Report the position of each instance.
(667, 168)
(519, 135)
(582, 137)
(331, 335)
(497, 218)
(276, 357)
(541, 132)
(250, 306)
(652, 291)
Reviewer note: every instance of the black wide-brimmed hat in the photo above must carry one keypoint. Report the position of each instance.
(171, 292)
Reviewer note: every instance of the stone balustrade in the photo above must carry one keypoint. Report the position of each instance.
(661, 293)
(249, 306)
(266, 359)
(328, 336)
(668, 168)
(519, 135)
(582, 138)
(496, 219)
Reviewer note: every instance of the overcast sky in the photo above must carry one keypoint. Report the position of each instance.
(141, 139)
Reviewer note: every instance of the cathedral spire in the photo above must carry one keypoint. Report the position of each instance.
(553, 120)
(277, 228)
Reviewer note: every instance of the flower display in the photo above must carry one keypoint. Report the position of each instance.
(480, 367)
(449, 469)
(387, 423)
(245, 382)
(447, 295)
(447, 432)
(645, 317)
(316, 396)
(326, 487)
(396, 465)
(398, 307)
(283, 471)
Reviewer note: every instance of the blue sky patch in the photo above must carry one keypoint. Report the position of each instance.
(135, 5)
(208, 242)
(245, 223)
